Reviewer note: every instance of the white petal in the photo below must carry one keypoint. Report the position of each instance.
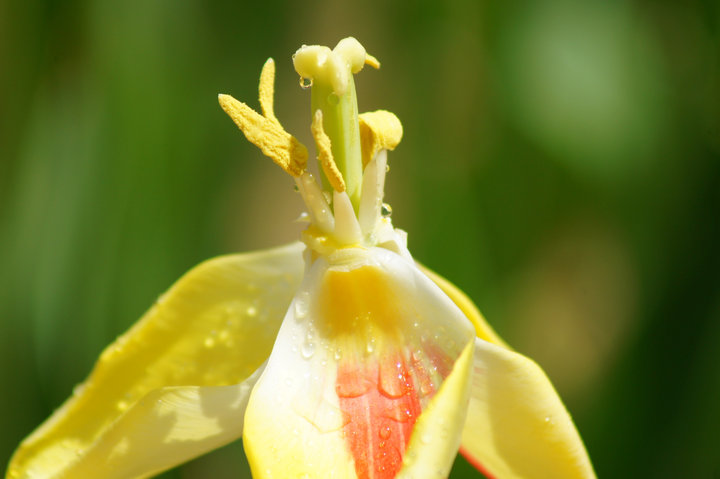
(365, 346)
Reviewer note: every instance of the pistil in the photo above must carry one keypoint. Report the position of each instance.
(333, 93)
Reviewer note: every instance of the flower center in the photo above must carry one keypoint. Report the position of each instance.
(346, 210)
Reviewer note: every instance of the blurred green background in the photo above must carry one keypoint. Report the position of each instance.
(561, 164)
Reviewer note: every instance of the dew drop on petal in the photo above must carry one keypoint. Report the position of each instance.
(308, 349)
(302, 304)
(370, 346)
(385, 210)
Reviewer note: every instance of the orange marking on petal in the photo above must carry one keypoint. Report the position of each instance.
(381, 419)
(476, 464)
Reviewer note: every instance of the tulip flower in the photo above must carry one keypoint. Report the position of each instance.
(337, 356)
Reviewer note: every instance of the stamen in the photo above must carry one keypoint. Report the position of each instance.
(373, 186)
(379, 130)
(314, 199)
(325, 156)
(267, 90)
(268, 135)
(347, 229)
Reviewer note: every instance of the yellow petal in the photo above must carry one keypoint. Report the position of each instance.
(436, 438)
(482, 328)
(214, 327)
(517, 426)
(166, 428)
(366, 345)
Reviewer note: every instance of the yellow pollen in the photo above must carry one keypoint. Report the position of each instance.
(267, 90)
(379, 130)
(325, 156)
(265, 131)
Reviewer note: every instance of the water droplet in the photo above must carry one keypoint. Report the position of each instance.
(370, 346)
(338, 354)
(308, 349)
(295, 187)
(385, 210)
(384, 432)
(427, 388)
(302, 304)
(387, 168)
(398, 414)
(251, 311)
(305, 82)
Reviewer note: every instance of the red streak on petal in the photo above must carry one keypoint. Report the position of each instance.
(476, 464)
(381, 419)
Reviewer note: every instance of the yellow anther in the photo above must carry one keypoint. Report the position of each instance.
(372, 61)
(325, 156)
(379, 130)
(267, 134)
(267, 90)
